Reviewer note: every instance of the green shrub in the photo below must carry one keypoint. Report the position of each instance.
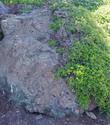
(88, 66)
(88, 4)
(37, 2)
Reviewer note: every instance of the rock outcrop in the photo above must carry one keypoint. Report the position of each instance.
(27, 64)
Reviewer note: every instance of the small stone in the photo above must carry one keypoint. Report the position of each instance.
(91, 115)
(39, 117)
(77, 112)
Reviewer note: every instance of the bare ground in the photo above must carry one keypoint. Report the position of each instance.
(11, 115)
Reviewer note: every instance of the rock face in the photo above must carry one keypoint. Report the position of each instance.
(27, 64)
(3, 8)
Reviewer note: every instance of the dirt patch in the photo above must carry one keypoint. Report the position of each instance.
(11, 115)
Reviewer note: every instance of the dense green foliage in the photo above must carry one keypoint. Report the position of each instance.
(52, 43)
(89, 4)
(102, 15)
(56, 23)
(88, 66)
(37, 2)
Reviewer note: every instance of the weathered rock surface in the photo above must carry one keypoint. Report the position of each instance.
(27, 64)
(3, 9)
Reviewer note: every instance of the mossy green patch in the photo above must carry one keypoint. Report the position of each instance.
(61, 50)
(37, 2)
(52, 43)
